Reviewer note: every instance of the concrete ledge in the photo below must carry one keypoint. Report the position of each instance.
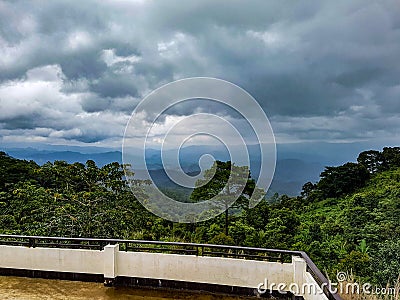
(52, 275)
(200, 287)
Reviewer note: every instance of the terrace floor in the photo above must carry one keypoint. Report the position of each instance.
(22, 288)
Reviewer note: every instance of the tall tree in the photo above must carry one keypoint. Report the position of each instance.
(391, 157)
(372, 160)
(338, 181)
(216, 183)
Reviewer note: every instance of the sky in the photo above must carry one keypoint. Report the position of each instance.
(72, 72)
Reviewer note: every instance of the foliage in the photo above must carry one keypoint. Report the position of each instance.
(222, 239)
(386, 261)
(231, 185)
(348, 221)
(376, 161)
(356, 262)
(342, 180)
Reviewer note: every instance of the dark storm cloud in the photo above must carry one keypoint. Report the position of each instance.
(85, 64)
(194, 16)
(20, 122)
(327, 67)
(93, 103)
(112, 85)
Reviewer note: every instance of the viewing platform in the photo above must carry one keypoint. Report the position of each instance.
(257, 272)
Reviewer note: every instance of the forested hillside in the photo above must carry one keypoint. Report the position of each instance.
(348, 221)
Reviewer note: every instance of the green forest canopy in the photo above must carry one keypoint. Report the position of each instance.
(347, 221)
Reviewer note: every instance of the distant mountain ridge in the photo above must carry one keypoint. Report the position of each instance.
(43, 156)
(290, 173)
(297, 163)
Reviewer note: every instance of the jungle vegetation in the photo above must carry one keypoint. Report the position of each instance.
(348, 221)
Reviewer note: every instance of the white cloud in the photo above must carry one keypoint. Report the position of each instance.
(78, 40)
(271, 38)
(46, 112)
(50, 73)
(110, 58)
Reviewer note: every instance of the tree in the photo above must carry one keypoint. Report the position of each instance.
(391, 157)
(356, 262)
(307, 189)
(386, 262)
(216, 183)
(281, 228)
(258, 216)
(372, 160)
(342, 180)
(376, 161)
(13, 170)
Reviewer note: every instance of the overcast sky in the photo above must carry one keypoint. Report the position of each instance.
(71, 72)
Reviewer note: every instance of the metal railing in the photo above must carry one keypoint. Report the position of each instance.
(275, 255)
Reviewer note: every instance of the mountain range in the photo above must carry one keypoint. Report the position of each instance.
(296, 163)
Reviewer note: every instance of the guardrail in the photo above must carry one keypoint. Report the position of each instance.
(173, 247)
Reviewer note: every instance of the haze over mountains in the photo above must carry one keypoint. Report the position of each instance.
(296, 163)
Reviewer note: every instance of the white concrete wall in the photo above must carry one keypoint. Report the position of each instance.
(113, 263)
(213, 270)
(52, 259)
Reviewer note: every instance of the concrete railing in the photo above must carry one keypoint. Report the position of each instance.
(203, 264)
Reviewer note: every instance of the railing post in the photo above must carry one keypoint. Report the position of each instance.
(110, 263)
(299, 271)
(32, 242)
